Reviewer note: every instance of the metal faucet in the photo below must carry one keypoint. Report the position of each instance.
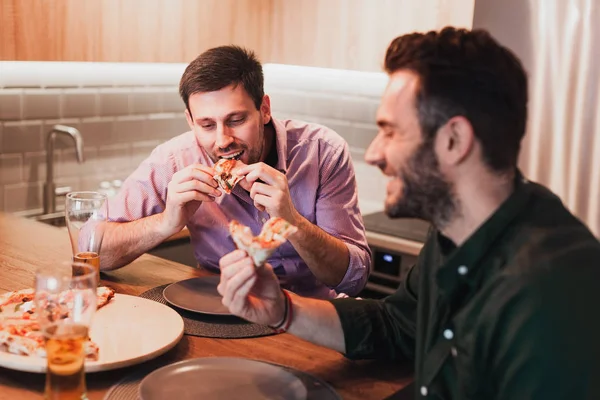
(50, 191)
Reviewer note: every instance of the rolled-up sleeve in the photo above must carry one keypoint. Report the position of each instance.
(338, 214)
(144, 192)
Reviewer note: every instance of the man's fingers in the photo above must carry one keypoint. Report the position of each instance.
(230, 258)
(261, 188)
(264, 172)
(235, 282)
(240, 297)
(197, 185)
(262, 202)
(196, 172)
(183, 198)
(247, 186)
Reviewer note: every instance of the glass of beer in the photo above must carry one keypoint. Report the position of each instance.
(65, 301)
(86, 214)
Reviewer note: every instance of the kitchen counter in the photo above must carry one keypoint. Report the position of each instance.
(20, 256)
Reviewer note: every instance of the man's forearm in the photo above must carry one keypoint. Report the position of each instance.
(125, 241)
(318, 322)
(326, 256)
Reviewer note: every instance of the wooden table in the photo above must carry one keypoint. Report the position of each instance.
(26, 245)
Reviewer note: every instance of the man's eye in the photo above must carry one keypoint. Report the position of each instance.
(237, 121)
(206, 126)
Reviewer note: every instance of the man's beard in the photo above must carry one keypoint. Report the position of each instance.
(426, 194)
(251, 156)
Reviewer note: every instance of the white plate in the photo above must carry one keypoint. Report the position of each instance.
(128, 330)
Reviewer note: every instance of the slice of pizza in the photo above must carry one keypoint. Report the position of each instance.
(20, 304)
(104, 295)
(27, 339)
(225, 173)
(21, 334)
(273, 234)
(17, 304)
(15, 297)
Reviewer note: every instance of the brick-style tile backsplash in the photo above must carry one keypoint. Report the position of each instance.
(41, 103)
(79, 103)
(34, 166)
(124, 110)
(22, 136)
(11, 168)
(10, 104)
(22, 196)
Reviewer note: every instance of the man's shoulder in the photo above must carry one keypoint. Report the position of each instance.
(551, 248)
(301, 132)
(549, 231)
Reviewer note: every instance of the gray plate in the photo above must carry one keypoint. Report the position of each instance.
(196, 295)
(222, 378)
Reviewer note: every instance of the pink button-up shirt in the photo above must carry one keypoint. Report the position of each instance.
(322, 185)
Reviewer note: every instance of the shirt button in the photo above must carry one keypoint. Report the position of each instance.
(462, 270)
(424, 391)
(453, 351)
(263, 220)
(448, 334)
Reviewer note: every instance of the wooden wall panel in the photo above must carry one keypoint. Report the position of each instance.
(351, 34)
(354, 34)
(127, 30)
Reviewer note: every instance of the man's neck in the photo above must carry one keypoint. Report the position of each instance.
(476, 203)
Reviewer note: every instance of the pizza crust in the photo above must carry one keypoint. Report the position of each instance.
(273, 234)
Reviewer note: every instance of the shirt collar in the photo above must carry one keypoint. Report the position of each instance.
(281, 143)
(461, 265)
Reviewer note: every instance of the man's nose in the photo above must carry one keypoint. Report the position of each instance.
(375, 154)
(224, 137)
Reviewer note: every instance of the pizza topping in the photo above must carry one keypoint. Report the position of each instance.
(20, 332)
(273, 234)
(225, 173)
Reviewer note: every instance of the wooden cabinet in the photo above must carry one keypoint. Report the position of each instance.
(348, 34)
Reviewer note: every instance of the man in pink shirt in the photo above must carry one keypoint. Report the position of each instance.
(295, 170)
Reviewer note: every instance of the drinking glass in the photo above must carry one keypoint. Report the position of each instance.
(86, 214)
(65, 302)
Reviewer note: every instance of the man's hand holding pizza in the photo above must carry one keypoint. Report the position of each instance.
(269, 189)
(186, 191)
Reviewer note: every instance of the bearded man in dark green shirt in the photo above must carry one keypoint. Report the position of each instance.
(502, 301)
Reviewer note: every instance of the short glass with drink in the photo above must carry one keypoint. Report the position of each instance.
(65, 301)
(86, 214)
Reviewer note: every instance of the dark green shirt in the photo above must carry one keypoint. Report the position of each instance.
(513, 313)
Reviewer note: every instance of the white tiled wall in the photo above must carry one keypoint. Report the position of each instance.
(123, 110)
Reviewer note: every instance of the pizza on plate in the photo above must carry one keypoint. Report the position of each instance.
(20, 332)
(225, 173)
(273, 234)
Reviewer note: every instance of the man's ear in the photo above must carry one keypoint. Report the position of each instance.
(265, 109)
(455, 140)
(188, 118)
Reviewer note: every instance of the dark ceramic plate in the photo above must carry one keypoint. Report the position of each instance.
(196, 295)
(222, 378)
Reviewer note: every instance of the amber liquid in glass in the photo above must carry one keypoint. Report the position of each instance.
(65, 350)
(89, 257)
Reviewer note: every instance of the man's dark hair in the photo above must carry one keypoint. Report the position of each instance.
(470, 74)
(220, 67)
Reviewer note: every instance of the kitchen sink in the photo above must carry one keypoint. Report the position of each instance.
(178, 250)
(54, 219)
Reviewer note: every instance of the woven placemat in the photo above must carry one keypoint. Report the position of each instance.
(127, 388)
(214, 326)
